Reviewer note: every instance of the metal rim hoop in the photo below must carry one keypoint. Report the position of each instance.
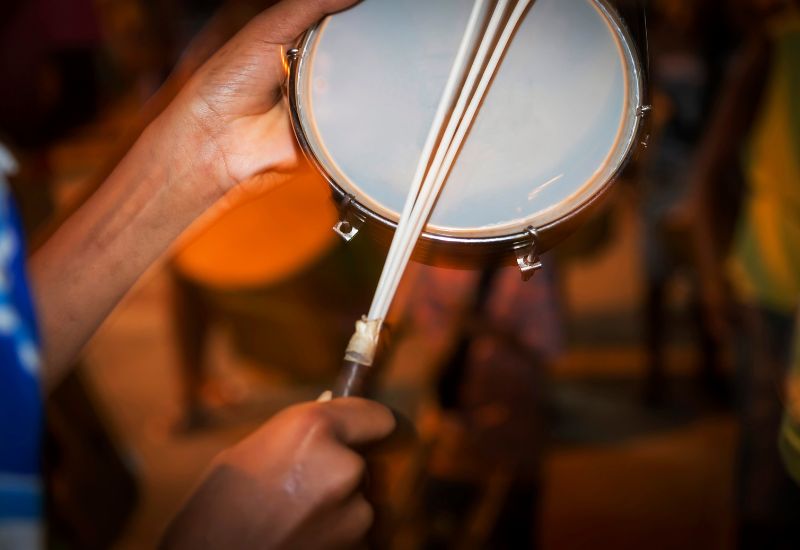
(355, 213)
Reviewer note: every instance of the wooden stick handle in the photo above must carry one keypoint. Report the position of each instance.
(353, 381)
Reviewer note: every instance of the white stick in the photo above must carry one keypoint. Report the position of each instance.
(404, 232)
(448, 96)
(439, 173)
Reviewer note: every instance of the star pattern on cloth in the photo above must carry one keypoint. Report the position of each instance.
(11, 325)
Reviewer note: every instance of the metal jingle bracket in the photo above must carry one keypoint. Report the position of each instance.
(289, 61)
(350, 223)
(528, 258)
(293, 54)
(642, 113)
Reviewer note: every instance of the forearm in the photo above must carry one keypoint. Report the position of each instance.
(89, 264)
(227, 130)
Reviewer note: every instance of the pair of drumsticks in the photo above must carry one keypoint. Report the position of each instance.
(439, 154)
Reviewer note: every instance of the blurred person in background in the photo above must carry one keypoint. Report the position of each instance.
(682, 69)
(757, 265)
(49, 79)
(295, 482)
(49, 50)
(497, 338)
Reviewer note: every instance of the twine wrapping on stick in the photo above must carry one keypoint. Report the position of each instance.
(364, 342)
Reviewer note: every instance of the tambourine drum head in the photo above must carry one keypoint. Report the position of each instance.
(558, 122)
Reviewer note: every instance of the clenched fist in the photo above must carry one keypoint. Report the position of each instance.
(295, 483)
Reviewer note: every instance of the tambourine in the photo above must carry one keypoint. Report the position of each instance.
(563, 115)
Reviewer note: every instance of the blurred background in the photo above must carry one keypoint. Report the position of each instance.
(628, 397)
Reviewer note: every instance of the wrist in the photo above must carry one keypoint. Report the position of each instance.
(192, 164)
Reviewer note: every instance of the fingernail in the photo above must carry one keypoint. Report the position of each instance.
(326, 396)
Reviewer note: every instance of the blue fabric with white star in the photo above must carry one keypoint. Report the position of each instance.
(20, 399)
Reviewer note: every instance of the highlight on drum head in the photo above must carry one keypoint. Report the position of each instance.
(558, 123)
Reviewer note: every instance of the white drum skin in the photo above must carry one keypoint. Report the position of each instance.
(558, 123)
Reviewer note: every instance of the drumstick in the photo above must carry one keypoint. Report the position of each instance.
(448, 96)
(447, 151)
(433, 185)
(361, 350)
(405, 228)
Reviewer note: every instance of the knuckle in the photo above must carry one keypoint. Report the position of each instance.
(384, 417)
(311, 418)
(388, 420)
(380, 415)
(355, 468)
(349, 472)
(363, 517)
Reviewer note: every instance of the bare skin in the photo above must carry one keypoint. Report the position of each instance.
(296, 482)
(226, 132)
(292, 484)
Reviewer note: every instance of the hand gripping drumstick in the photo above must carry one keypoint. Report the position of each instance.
(423, 193)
